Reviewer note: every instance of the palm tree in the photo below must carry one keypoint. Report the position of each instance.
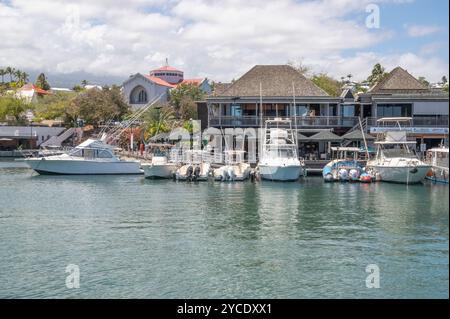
(2, 74)
(25, 77)
(349, 76)
(9, 71)
(18, 75)
(84, 83)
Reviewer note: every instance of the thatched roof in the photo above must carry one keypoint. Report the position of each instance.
(399, 81)
(220, 87)
(357, 135)
(275, 80)
(325, 136)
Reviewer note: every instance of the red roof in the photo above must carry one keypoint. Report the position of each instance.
(166, 68)
(159, 81)
(192, 81)
(31, 86)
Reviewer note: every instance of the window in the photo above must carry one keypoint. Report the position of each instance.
(299, 110)
(394, 110)
(348, 110)
(138, 95)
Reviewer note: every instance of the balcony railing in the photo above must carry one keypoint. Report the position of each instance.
(418, 121)
(321, 121)
(300, 121)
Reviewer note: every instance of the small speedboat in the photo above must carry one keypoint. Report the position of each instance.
(236, 172)
(438, 158)
(159, 168)
(344, 167)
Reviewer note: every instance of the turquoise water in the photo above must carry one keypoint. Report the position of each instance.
(136, 238)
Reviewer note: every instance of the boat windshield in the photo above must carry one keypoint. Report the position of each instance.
(398, 150)
(91, 153)
(281, 152)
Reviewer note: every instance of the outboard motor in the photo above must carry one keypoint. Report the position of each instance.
(354, 174)
(189, 172)
(343, 174)
(231, 174)
(196, 172)
(224, 175)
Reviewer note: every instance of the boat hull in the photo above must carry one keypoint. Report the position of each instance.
(280, 173)
(401, 174)
(159, 171)
(438, 175)
(82, 167)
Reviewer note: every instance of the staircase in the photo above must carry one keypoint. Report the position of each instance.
(58, 140)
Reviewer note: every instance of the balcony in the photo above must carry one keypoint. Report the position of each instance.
(299, 121)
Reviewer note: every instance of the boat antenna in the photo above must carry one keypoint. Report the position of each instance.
(364, 138)
(295, 117)
(261, 115)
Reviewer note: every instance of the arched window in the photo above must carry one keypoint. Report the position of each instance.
(138, 95)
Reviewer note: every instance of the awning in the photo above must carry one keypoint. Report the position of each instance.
(159, 137)
(325, 136)
(302, 138)
(357, 135)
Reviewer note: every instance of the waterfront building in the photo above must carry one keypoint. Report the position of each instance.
(30, 92)
(268, 91)
(26, 137)
(139, 89)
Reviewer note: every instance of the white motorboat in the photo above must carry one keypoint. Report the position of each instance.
(396, 160)
(345, 166)
(92, 157)
(164, 161)
(160, 167)
(197, 166)
(235, 169)
(279, 160)
(438, 159)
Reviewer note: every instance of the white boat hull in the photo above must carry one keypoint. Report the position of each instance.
(280, 173)
(401, 174)
(159, 171)
(47, 166)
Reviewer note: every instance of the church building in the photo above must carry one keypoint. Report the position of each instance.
(141, 89)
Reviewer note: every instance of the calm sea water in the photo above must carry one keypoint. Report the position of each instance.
(139, 238)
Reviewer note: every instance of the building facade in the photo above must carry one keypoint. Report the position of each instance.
(268, 91)
(141, 89)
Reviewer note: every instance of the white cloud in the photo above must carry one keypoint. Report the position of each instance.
(218, 39)
(421, 30)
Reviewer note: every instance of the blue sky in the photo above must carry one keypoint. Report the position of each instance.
(222, 39)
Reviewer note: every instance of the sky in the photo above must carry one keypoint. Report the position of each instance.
(222, 39)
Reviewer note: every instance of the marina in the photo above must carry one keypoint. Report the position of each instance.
(134, 237)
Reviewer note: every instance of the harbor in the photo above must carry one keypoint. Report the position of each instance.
(134, 237)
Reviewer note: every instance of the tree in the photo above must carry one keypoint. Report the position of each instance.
(183, 98)
(10, 71)
(55, 106)
(2, 74)
(42, 83)
(300, 67)
(328, 84)
(423, 81)
(84, 83)
(444, 80)
(12, 107)
(349, 77)
(98, 106)
(378, 74)
(158, 120)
